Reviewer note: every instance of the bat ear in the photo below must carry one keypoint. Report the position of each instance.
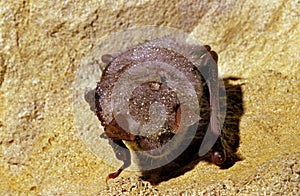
(107, 58)
(89, 97)
(214, 55)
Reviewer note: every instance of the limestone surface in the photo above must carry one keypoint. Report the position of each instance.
(42, 44)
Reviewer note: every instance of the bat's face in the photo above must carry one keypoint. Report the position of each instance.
(150, 98)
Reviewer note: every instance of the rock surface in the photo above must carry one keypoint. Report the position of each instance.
(42, 44)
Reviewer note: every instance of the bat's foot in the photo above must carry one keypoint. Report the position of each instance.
(218, 157)
(113, 175)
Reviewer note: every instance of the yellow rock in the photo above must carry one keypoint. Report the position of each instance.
(42, 44)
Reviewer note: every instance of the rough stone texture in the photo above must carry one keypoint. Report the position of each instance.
(42, 44)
